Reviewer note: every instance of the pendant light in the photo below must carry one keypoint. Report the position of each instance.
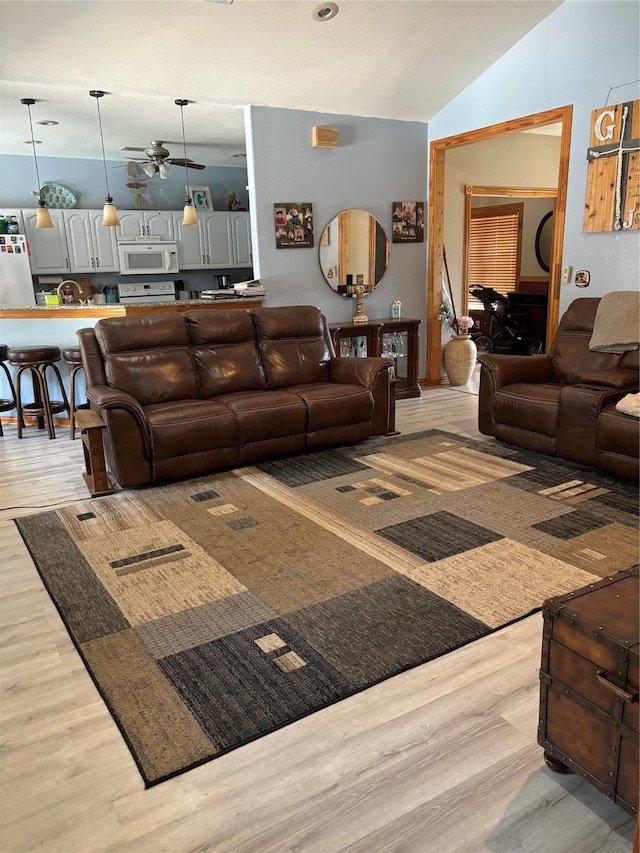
(189, 216)
(109, 212)
(43, 217)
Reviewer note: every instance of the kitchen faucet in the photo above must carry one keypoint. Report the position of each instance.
(68, 282)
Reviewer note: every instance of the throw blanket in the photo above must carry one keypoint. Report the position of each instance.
(617, 325)
(630, 405)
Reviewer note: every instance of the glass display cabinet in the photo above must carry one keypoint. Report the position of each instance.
(396, 340)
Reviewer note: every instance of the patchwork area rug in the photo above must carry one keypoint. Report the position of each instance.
(213, 611)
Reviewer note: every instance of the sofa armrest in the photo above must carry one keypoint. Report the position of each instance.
(506, 369)
(617, 377)
(357, 371)
(106, 399)
(374, 374)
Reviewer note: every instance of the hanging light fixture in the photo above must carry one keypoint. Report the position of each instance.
(109, 212)
(189, 216)
(43, 217)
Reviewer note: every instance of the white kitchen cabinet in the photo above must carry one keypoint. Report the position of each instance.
(49, 253)
(145, 223)
(92, 246)
(241, 233)
(220, 240)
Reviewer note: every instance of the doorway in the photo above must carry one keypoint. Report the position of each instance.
(435, 261)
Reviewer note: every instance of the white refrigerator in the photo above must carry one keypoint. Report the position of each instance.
(16, 283)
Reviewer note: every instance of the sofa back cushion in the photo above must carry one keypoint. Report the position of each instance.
(294, 345)
(573, 361)
(225, 351)
(148, 357)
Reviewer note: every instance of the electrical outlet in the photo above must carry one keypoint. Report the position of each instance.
(582, 279)
(566, 274)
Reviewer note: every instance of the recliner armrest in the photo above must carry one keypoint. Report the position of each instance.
(105, 398)
(506, 369)
(617, 377)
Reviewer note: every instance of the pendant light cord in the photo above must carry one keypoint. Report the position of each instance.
(104, 159)
(181, 104)
(35, 157)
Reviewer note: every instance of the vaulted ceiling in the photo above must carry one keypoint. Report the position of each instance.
(399, 59)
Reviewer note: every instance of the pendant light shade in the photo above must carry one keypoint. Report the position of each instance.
(43, 217)
(189, 215)
(109, 212)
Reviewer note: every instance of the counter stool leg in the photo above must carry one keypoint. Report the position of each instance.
(7, 407)
(65, 402)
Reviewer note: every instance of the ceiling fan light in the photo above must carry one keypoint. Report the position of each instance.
(149, 170)
(189, 215)
(164, 170)
(110, 213)
(43, 217)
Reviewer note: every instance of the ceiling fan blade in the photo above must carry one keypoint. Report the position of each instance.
(131, 148)
(180, 161)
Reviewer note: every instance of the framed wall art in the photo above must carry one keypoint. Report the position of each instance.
(293, 222)
(408, 221)
(201, 197)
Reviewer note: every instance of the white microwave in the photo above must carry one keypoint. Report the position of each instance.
(144, 258)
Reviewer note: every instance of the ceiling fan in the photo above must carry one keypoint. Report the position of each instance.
(157, 158)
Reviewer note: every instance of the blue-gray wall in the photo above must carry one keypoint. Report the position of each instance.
(376, 163)
(85, 178)
(573, 57)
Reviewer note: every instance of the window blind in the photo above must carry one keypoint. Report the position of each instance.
(494, 247)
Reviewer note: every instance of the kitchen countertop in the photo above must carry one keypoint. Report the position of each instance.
(118, 309)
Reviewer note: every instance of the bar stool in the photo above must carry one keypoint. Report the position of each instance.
(38, 360)
(72, 357)
(6, 404)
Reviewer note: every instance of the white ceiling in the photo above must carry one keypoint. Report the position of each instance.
(398, 59)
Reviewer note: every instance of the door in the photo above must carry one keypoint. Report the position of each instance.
(132, 224)
(79, 241)
(49, 253)
(241, 230)
(216, 239)
(159, 223)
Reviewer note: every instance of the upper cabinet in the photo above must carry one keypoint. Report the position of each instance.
(220, 240)
(49, 253)
(241, 232)
(92, 247)
(145, 223)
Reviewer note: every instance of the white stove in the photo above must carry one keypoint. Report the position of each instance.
(140, 293)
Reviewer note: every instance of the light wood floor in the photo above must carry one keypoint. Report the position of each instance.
(440, 759)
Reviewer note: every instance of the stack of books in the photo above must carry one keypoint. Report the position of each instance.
(249, 288)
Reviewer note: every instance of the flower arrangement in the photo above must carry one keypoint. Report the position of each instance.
(457, 325)
(463, 324)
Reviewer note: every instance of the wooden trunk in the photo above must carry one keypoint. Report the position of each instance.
(588, 720)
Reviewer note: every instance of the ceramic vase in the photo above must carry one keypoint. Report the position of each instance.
(460, 355)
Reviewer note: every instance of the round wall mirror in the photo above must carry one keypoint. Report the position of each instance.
(354, 252)
(544, 235)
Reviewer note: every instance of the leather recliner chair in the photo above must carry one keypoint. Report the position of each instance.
(552, 403)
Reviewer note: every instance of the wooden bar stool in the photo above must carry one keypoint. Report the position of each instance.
(72, 357)
(6, 405)
(38, 360)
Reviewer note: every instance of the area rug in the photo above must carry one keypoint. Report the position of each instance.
(213, 611)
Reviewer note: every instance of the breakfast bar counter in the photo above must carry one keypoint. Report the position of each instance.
(119, 309)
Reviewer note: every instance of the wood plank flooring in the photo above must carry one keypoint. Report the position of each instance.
(440, 759)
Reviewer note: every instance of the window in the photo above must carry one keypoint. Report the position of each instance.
(493, 248)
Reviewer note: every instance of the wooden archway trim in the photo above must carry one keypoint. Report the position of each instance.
(437, 151)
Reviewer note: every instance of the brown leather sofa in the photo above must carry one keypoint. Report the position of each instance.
(186, 394)
(563, 403)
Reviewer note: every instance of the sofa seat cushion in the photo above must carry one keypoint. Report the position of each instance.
(331, 404)
(190, 426)
(530, 407)
(268, 423)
